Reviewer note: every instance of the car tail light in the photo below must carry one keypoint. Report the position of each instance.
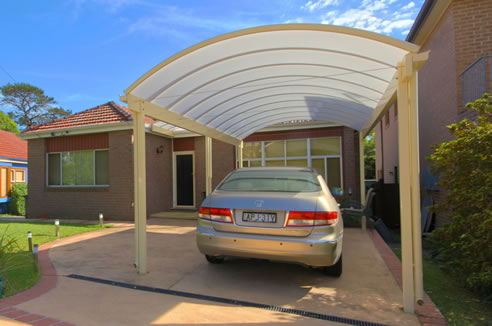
(303, 219)
(214, 214)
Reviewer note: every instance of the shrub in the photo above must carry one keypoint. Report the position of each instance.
(18, 204)
(464, 165)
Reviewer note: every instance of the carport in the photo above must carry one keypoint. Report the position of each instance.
(232, 85)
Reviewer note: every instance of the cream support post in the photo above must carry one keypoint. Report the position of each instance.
(362, 178)
(208, 165)
(136, 106)
(411, 234)
(240, 154)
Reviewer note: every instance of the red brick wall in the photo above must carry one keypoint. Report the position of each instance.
(77, 143)
(184, 144)
(115, 201)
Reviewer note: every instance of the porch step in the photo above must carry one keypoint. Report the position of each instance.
(177, 214)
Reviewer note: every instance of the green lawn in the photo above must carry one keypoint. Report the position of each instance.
(460, 306)
(17, 266)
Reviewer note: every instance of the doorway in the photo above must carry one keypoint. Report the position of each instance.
(184, 179)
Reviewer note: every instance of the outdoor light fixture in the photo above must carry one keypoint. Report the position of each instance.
(101, 219)
(159, 149)
(57, 225)
(29, 240)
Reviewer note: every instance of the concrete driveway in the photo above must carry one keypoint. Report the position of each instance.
(366, 291)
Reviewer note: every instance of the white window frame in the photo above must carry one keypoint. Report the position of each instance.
(308, 157)
(61, 185)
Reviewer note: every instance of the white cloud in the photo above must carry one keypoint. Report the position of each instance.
(409, 6)
(373, 15)
(297, 20)
(319, 4)
(399, 24)
(405, 33)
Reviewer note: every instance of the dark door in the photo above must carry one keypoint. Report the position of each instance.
(184, 180)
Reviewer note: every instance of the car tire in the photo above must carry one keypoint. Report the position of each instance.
(334, 270)
(214, 259)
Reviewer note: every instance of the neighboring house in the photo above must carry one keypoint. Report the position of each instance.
(458, 34)
(82, 165)
(13, 165)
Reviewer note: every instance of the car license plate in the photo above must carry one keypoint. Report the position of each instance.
(260, 217)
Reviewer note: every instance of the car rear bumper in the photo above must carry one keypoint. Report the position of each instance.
(315, 250)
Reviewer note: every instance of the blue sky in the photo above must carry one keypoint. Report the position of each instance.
(87, 52)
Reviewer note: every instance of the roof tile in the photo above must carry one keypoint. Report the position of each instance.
(107, 113)
(12, 146)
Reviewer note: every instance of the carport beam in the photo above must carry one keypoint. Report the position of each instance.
(140, 194)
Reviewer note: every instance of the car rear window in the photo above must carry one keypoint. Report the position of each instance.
(271, 180)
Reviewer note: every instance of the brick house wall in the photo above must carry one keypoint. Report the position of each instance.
(159, 172)
(463, 34)
(115, 201)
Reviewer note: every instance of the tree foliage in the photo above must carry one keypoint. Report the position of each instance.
(464, 165)
(7, 124)
(370, 156)
(30, 105)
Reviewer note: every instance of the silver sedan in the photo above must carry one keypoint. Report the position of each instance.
(278, 213)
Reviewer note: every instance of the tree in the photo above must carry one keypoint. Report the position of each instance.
(7, 124)
(30, 105)
(464, 166)
(370, 156)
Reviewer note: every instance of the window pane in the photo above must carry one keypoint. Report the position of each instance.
(301, 163)
(275, 163)
(319, 165)
(19, 176)
(252, 150)
(325, 146)
(271, 180)
(53, 169)
(254, 163)
(334, 179)
(297, 148)
(102, 175)
(68, 168)
(12, 175)
(245, 164)
(274, 148)
(4, 174)
(84, 162)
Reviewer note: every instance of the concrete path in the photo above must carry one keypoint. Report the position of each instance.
(366, 291)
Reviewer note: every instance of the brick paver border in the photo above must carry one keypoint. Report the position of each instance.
(428, 314)
(45, 284)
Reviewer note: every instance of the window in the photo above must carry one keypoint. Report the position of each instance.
(4, 182)
(81, 168)
(258, 181)
(322, 154)
(17, 175)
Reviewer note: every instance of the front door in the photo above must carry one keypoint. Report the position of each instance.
(184, 188)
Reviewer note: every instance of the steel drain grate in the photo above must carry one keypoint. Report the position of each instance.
(241, 303)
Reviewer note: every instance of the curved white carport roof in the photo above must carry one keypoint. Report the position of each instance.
(240, 82)
(233, 85)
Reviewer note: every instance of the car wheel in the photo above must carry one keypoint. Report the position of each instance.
(334, 270)
(214, 259)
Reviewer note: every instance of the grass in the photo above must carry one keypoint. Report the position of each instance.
(459, 306)
(17, 266)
